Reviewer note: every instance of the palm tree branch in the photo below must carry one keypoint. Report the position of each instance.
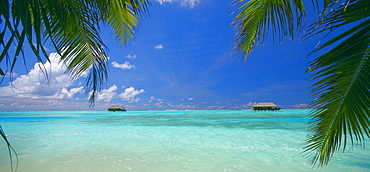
(72, 27)
(123, 16)
(10, 150)
(256, 17)
(343, 96)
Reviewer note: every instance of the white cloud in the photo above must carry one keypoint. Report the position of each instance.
(130, 93)
(164, 1)
(44, 81)
(125, 65)
(11, 104)
(184, 3)
(301, 105)
(189, 3)
(151, 99)
(106, 95)
(131, 56)
(251, 104)
(65, 94)
(159, 47)
(191, 98)
(10, 75)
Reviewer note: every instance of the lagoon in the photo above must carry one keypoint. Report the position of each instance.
(151, 141)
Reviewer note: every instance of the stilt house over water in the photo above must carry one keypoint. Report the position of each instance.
(116, 108)
(266, 106)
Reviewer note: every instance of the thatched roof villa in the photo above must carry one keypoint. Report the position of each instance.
(266, 106)
(116, 108)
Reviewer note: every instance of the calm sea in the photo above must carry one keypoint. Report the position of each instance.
(160, 141)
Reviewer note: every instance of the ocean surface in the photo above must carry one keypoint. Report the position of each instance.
(160, 141)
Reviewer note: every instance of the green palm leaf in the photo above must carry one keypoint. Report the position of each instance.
(10, 150)
(342, 104)
(341, 108)
(72, 27)
(256, 17)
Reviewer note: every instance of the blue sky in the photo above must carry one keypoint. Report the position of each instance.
(180, 59)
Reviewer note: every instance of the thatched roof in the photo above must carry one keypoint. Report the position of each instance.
(266, 104)
(116, 107)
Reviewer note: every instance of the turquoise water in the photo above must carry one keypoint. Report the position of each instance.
(158, 141)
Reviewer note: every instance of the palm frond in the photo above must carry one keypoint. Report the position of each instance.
(123, 17)
(10, 150)
(342, 105)
(256, 17)
(72, 27)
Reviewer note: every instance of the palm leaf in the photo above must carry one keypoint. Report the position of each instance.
(122, 16)
(256, 17)
(10, 150)
(342, 104)
(72, 27)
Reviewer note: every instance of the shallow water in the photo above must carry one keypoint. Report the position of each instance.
(165, 141)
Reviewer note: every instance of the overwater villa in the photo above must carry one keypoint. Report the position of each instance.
(266, 106)
(116, 108)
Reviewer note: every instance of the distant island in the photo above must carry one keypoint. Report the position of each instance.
(116, 108)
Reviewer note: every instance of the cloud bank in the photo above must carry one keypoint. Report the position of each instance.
(44, 81)
(129, 94)
(106, 95)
